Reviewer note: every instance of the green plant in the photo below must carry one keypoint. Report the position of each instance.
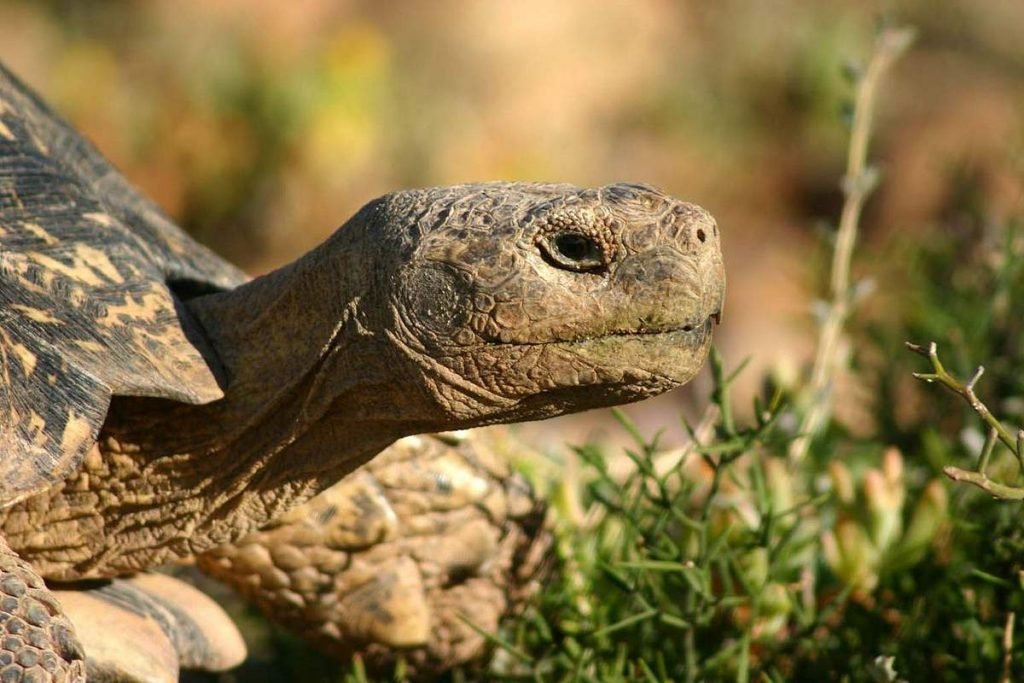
(690, 548)
(788, 547)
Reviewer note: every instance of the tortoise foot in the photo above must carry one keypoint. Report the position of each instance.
(147, 628)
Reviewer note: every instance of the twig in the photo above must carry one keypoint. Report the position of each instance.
(995, 489)
(1008, 648)
(996, 429)
(986, 450)
(966, 391)
(858, 182)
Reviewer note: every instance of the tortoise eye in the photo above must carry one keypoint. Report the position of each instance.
(573, 251)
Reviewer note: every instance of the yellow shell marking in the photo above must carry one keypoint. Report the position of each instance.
(89, 345)
(35, 314)
(36, 425)
(99, 262)
(87, 265)
(40, 232)
(101, 218)
(40, 145)
(4, 130)
(25, 357)
(76, 271)
(76, 430)
(133, 310)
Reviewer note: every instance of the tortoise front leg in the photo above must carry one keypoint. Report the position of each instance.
(37, 642)
(147, 628)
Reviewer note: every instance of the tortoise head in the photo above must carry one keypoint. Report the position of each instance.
(519, 301)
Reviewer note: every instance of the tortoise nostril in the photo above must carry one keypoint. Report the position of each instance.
(700, 235)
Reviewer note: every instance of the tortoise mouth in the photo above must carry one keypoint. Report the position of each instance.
(666, 355)
(696, 328)
(690, 330)
(684, 335)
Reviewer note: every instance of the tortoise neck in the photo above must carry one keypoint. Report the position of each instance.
(272, 331)
(309, 341)
(313, 387)
(308, 375)
(312, 391)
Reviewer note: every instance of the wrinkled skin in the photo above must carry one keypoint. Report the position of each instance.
(502, 329)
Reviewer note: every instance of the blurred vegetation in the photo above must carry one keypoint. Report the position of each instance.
(261, 126)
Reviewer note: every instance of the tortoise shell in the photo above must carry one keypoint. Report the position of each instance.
(89, 270)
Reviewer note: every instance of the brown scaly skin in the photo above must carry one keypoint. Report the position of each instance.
(37, 643)
(429, 310)
(396, 558)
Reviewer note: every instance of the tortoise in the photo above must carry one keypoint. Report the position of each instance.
(157, 403)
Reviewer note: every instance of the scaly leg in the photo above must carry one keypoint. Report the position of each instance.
(37, 642)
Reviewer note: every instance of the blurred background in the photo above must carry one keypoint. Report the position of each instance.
(262, 125)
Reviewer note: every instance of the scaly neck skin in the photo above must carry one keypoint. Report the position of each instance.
(312, 390)
(310, 375)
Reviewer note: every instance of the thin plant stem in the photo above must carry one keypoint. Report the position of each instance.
(1008, 649)
(996, 429)
(858, 182)
(995, 489)
(965, 390)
